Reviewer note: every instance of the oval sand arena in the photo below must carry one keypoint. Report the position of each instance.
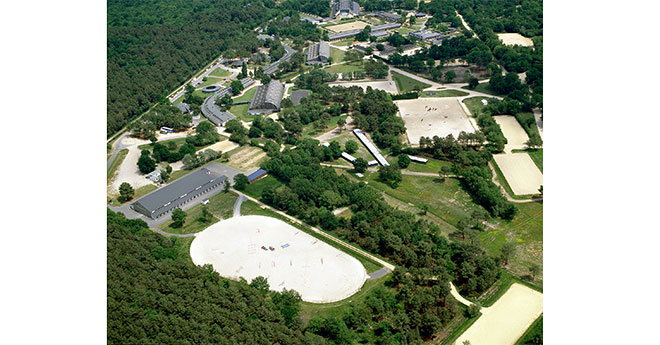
(251, 246)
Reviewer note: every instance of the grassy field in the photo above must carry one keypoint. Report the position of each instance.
(535, 330)
(345, 68)
(220, 73)
(257, 188)
(432, 166)
(338, 309)
(526, 231)
(446, 200)
(285, 78)
(241, 112)
(484, 88)
(221, 207)
(337, 55)
(344, 43)
(309, 130)
(444, 93)
(537, 157)
(210, 81)
(474, 105)
(405, 84)
(246, 96)
(119, 158)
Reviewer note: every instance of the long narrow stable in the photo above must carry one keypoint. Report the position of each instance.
(371, 147)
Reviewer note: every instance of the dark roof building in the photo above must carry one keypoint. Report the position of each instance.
(318, 53)
(177, 193)
(298, 95)
(314, 21)
(185, 108)
(259, 173)
(267, 99)
(389, 16)
(237, 63)
(425, 34)
(265, 37)
(345, 8)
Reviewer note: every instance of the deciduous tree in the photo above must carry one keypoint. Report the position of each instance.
(178, 217)
(126, 191)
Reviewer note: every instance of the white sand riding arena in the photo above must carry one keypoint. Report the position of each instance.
(298, 261)
(507, 320)
(520, 172)
(347, 26)
(513, 39)
(387, 86)
(515, 135)
(434, 116)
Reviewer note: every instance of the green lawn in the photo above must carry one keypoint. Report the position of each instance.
(119, 158)
(221, 207)
(309, 130)
(444, 93)
(344, 43)
(474, 104)
(345, 67)
(255, 189)
(537, 157)
(446, 200)
(247, 95)
(241, 112)
(200, 93)
(220, 73)
(285, 78)
(337, 55)
(211, 81)
(432, 166)
(361, 152)
(406, 84)
(484, 88)
(534, 331)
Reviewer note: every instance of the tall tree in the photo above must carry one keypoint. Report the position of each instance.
(126, 192)
(178, 217)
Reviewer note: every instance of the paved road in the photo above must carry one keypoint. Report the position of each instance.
(322, 233)
(118, 146)
(435, 85)
(194, 80)
(237, 205)
(381, 272)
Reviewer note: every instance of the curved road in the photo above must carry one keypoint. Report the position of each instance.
(237, 205)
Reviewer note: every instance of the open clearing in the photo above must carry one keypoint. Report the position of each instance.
(347, 26)
(434, 116)
(318, 271)
(507, 320)
(223, 146)
(511, 39)
(513, 132)
(520, 172)
(387, 86)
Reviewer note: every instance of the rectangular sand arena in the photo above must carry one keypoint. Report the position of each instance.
(434, 116)
(387, 86)
(520, 172)
(358, 25)
(513, 132)
(504, 322)
(513, 39)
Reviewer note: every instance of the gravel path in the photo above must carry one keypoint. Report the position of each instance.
(237, 205)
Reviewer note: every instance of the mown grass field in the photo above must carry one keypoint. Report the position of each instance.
(256, 188)
(444, 93)
(210, 81)
(432, 166)
(247, 95)
(221, 207)
(344, 43)
(345, 68)
(241, 112)
(485, 88)
(220, 73)
(337, 55)
(406, 84)
(474, 105)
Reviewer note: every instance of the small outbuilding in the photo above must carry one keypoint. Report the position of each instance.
(259, 173)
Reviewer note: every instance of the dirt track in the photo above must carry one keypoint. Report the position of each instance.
(511, 39)
(520, 172)
(434, 116)
(347, 26)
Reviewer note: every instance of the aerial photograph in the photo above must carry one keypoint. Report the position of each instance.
(325, 172)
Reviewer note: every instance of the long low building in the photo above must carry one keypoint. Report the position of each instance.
(174, 195)
(318, 53)
(267, 99)
(272, 68)
(371, 147)
(376, 29)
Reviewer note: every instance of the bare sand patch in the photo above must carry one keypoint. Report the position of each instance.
(505, 321)
(223, 146)
(387, 86)
(513, 132)
(128, 172)
(357, 25)
(298, 261)
(520, 172)
(434, 116)
(512, 39)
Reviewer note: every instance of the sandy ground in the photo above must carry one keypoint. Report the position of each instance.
(128, 170)
(387, 86)
(511, 39)
(348, 26)
(318, 271)
(513, 132)
(445, 117)
(246, 159)
(223, 146)
(505, 321)
(520, 172)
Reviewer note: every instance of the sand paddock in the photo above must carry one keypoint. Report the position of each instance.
(520, 172)
(446, 116)
(513, 132)
(347, 26)
(507, 320)
(318, 271)
(512, 39)
(387, 86)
